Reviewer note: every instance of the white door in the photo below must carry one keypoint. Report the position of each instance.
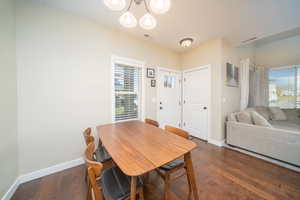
(169, 98)
(196, 100)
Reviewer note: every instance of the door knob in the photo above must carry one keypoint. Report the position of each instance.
(160, 107)
(204, 107)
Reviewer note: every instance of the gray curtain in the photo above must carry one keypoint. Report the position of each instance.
(259, 87)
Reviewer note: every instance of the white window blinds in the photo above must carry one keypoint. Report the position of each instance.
(127, 82)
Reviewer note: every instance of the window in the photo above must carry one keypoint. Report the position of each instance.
(169, 81)
(127, 92)
(284, 87)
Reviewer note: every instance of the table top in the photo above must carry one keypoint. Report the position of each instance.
(137, 147)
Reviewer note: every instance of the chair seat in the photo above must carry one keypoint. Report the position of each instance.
(115, 184)
(171, 165)
(102, 155)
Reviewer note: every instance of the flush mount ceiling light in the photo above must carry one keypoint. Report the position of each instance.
(186, 42)
(147, 21)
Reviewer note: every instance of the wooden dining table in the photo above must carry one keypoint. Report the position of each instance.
(138, 148)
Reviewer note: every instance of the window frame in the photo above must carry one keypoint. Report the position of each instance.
(141, 103)
(295, 84)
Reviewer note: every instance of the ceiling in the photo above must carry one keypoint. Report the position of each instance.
(233, 20)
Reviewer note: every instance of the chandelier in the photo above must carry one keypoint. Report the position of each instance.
(147, 21)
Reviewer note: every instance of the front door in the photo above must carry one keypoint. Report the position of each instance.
(196, 98)
(169, 98)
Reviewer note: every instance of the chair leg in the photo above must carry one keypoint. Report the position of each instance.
(167, 186)
(189, 183)
(89, 192)
(141, 194)
(147, 178)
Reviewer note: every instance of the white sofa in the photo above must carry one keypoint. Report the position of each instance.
(281, 141)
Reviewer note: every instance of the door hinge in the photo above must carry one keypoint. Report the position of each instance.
(184, 102)
(179, 125)
(184, 124)
(184, 79)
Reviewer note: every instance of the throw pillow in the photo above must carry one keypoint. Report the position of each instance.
(231, 117)
(244, 117)
(277, 114)
(260, 120)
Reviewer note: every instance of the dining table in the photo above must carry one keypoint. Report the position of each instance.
(138, 148)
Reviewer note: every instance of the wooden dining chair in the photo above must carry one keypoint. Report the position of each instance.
(113, 185)
(151, 122)
(166, 170)
(101, 153)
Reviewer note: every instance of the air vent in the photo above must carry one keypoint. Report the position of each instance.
(249, 40)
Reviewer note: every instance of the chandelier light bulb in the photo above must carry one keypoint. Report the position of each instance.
(115, 5)
(148, 22)
(160, 6)
(128, 20)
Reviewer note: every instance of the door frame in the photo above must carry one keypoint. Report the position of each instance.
(209, 98)
(159, 69)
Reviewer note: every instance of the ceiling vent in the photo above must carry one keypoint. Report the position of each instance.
(249, 40)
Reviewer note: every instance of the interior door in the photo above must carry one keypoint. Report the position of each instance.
(196, 99)
(169, 98)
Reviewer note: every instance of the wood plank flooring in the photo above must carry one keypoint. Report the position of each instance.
(221, 174)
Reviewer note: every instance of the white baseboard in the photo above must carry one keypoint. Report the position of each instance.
(40, 173)
(12, 189)
(277, 162)
(50, 170)
(216, 142)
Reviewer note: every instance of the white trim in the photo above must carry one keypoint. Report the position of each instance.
(159, 69)
(12, 189)
(168, 70)
(210, 96)
(216, 142)
(282, 164)
(134, 63)
(50, 170)
(40, 173)
(282, 67)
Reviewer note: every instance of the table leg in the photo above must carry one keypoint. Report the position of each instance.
(191, 175)
(133, 188)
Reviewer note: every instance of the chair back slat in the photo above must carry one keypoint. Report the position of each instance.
(151, 122)
(87, 136)
(177, 131)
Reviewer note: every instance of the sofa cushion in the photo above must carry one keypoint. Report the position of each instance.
(286, 125)
(260, 120)
(292, 114)
(263, 111)
(277, 114)
(244, 117)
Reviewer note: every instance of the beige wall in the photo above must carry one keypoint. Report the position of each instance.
(224, 99)
(8, 102)
(64, 80)
(230, 95)
(278, 53)
(209, 53)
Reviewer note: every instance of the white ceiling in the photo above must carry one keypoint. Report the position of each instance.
(233, 20)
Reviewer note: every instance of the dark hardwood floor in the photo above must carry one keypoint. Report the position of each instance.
(221, 174)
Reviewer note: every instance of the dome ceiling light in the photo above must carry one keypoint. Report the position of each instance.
(147, 21)
(186, 42)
